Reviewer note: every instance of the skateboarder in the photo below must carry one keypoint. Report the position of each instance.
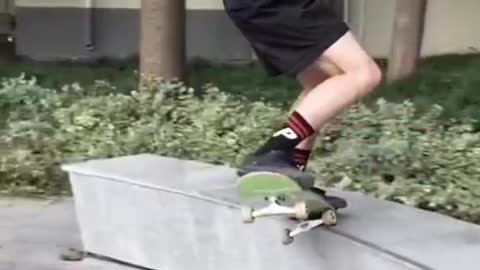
(305, 40)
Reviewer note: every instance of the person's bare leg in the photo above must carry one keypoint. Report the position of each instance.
(309, 79)
(328, 99)
(324, 102)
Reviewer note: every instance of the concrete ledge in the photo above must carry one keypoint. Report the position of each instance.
(165, 213)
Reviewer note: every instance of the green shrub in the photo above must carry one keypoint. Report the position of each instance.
(388, 150)
(70, 126)
(391, 154)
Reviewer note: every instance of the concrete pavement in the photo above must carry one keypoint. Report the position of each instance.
(34, 232)
(181, 215)
(156, 211)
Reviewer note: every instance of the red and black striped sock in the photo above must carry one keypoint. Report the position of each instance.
(300, 126)
(300, 158)
(296, 130)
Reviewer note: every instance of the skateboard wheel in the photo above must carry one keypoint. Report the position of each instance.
(301, 211)
(247, 215)
(287, 239)
(72, 254)
(329, 217)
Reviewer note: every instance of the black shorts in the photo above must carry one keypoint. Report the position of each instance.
(286, 35)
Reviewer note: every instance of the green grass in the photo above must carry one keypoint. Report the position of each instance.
(248, 80)
(55, 75)
(450, 81)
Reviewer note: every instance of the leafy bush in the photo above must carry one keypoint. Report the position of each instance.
(392, 154)
(69, 125)
(388, 150)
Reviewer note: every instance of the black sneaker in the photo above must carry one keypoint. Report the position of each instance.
(336, 202)
(276, 162)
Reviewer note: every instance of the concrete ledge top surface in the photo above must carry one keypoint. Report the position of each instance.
(419, 239)
(158, 172)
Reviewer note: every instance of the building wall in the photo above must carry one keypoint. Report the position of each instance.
(449, 28)
(58, 30)
(3, 6)
(6, 11)
(7, 6)
(452, 26)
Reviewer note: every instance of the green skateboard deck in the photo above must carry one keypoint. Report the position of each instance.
(266, 184)
(286, 198)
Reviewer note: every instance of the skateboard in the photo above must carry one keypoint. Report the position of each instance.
(286, 198)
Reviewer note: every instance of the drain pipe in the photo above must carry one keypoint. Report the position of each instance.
(361, 23)
(89, 42)
(346, 11)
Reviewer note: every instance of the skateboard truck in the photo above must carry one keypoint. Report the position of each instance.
(329, 218)
(299, 211)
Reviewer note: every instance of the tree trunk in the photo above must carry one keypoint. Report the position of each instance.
(162, 39)
(407, 38)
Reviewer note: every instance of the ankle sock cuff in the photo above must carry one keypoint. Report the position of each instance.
(301, 156)
(300, 126)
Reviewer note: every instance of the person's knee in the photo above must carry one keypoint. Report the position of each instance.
(368, 77)
(311, 77)
(319, 71)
